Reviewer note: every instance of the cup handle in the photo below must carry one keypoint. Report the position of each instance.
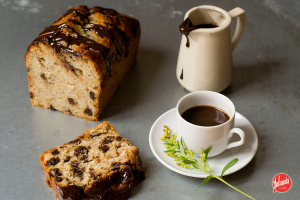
(241, 14)
(241, 133)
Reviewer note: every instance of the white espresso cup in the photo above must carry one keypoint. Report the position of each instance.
(201, 137)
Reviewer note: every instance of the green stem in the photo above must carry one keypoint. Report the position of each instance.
(200, 166)
(189, 156)
(220, 179)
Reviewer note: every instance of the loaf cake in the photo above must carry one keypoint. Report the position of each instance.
(77, 63)
(99, 164)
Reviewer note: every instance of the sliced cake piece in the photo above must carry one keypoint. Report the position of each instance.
(99, 164)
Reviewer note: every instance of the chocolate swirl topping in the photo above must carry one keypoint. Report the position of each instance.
(71, 33)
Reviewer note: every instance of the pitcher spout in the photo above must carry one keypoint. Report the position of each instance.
(185, 28)
(197, 20)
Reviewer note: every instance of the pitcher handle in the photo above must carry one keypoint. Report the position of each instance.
(241, 14)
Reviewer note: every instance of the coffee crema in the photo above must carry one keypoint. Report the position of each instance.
(205, 116)
(186, 27)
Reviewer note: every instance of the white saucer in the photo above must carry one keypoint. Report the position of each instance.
(244, 153)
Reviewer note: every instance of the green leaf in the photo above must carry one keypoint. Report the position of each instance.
(166, 143)
(178, 145)
(181, 142)
(207, 150)
(205, 181)
(230, 164)
(186, 161)
(183, 146)
(169, 151)
(172, 150)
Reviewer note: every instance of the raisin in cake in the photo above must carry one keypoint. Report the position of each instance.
(77, 63)
(99, 164)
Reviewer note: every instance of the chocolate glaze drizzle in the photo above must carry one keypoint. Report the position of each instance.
(121, 179)
(186, 27)
(117, 18)
(53, 35)
(181, 76)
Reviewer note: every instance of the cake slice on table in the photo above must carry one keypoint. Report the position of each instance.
(76, 64)
(99, 164)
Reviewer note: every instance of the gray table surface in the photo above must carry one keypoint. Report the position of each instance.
(265, 89)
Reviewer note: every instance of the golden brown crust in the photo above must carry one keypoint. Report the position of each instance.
(116, 184)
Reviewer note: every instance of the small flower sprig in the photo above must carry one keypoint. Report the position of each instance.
(186, 159)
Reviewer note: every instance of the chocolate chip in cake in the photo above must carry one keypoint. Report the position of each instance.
(55, 172)
(77, 141)
(58, 179)
(31, 95)
(88, 111)
(115, 166)
(55, 152)
(43, 76)
(92, 95)
(85, 157)
(104, 148)
(74, 165)
(52, 108)
(119, 138)
(108, 139)
(28, 69)
(67, 159)
(92, 173)
(68, 65)
(78, 172)
(71, 101)
(81, 150)
(41, 60)
(53, 161)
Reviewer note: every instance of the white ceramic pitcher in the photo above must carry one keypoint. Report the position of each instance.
(207, 63)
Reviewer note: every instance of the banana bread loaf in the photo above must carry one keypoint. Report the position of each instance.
(76, 64)
(99, 164)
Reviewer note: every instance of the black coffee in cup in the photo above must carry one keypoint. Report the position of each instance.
(205, 116)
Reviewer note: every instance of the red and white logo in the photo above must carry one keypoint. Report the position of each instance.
(281, 183)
